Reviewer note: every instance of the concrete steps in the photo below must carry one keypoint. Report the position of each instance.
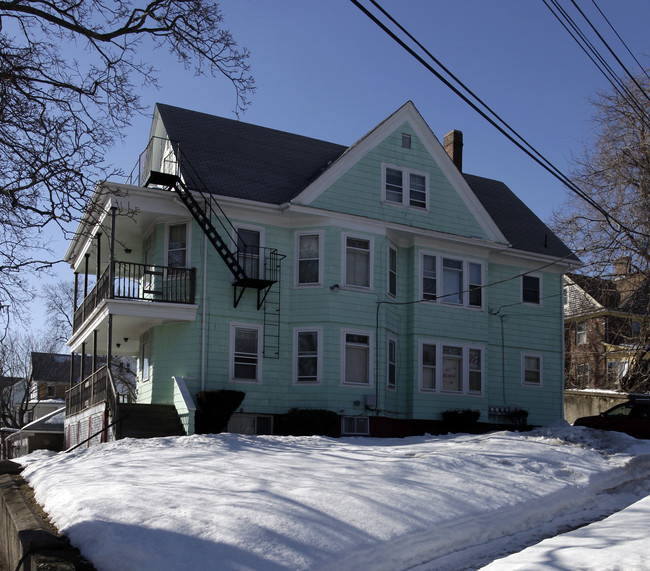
(149, 421)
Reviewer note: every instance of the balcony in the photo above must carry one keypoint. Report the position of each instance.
(138, 282)
(140, 296)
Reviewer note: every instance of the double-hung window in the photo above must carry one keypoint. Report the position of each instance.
(429, 281)
(460, 370)
(581, 333)
(356, 363)
(248, 251)
(405, 187)
(531, 369)
(245, 353)
(307, 351)
(309, 259)
(451, 281)
(531, 289)
(391, 363)
(358, 262)
(177, 245)
(392, 271)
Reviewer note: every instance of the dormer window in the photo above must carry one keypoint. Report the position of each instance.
(405, 187)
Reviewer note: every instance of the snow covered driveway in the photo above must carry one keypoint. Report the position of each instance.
(266, 502)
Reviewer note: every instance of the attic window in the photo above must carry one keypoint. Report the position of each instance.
(406, 141)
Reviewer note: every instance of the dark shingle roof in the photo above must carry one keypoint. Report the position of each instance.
(247, 161)
(629, 295)
(521, 227)
(50, 367)
(255, 163)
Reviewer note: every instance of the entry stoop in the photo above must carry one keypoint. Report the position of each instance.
(149, 421)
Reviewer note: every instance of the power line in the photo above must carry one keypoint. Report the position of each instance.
(643, 70)
(497, 122)
(619, 85)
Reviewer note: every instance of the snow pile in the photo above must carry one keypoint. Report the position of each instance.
(268, 502)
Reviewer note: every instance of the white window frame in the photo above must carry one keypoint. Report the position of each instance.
(371, 262)
(534, 355)
(188, 241)
(260, 231)
(465, 270)
(389, 270)
(297, 281)
(319, 356)
(391, 340)
(406, 187)
(357, 420)
(581, 333)
(231, 353)
(369, 335)
(145, 365)
(465, 369)
(531, 303)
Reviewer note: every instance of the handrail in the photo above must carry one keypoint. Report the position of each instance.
(140, 282)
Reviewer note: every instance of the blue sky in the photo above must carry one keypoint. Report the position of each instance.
(324, 70)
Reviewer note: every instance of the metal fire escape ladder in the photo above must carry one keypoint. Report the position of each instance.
(268, 290)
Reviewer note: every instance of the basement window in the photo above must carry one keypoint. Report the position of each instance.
(356, 426)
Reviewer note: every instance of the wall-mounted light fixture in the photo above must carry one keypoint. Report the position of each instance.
(127, 250)
(335, 287)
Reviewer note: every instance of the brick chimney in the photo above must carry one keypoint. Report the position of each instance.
(453, 143)
(622, 267)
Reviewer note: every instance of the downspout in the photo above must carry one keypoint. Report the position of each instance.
(203, 308)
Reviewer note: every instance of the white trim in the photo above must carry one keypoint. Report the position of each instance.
(371, 261)
(369, 335)
(319, 355)
(188, 241)
(536, 355)
(231, 353)
(405, 114)
(521, 290)
(355, 432)
(389, 339)
(465, 261)
(392, 247)
(438, 380)
(298, 234)
(406, 187)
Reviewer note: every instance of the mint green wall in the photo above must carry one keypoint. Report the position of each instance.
(359, 190)
(176, 348)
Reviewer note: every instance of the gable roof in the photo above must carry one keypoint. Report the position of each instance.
(519, 224)
(255, 163)
(629, 295)
(271, 166)
(50, 367)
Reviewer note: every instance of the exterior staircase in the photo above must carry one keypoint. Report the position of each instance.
(148, 421)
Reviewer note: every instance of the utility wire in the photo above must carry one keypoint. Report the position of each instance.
(611, 51)
(619, 85)
(643, 70)
(515, 138)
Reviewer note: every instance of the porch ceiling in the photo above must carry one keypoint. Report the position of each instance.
(130, 320)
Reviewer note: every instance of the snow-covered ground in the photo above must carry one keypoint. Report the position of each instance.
(269, 503)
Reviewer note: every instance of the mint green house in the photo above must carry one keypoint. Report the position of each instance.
(376, 281)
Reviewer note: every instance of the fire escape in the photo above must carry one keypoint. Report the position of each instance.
(177, 174)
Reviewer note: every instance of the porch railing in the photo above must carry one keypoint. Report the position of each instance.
(94, 389)
(139, 282)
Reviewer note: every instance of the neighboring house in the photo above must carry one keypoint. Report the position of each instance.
(44, 432)
(49, 376)
(604, 320)
(375, 281)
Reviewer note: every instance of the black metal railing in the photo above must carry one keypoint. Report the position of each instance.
(139, 282)
(93, 390)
